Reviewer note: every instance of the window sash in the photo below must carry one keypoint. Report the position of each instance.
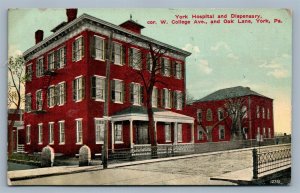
(136, 94)
(98, 88)
(39, 100)
(61, 132)
(28, 103)
(118, 132)
(99, 129)
(78, 131)
(51, 61)
(51, 95)
(136, 59)
(178, 96)
(61, 57)
(118, 52)
(61, 94)
(178, 71)
(167, 97)
(40, 67)
(118, 91)
(40, 126)
(99, 48)
(51, 133)
(209, 115)
(28, 128)
(168, 133)
(79, 89)
(78, 48)
(179, 132)
(154, 97)
(167, 67)
(29, 72)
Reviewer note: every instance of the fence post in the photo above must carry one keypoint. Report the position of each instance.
(255, 163)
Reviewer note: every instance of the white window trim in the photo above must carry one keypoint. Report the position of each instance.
(40, 143)
(138, 94)
(118, 141)
(30, 64)
(169, 70)
(177, 106)
(121, 54)
(36, 63)
(41, 99)
(119, 102)
(96, 58)
(77, 77)
(61, 143)
(26, 133)
(54, 87)
(51, 123)
(180, 64)
(81, 142)
(61, 47)
(220, 110)
(178, 133)
(169, 97)
(81, 56)
(167, 140)
(153, 91)
(103, 78)
(63, 82)
(52, 52)
(99, 119)
(138, 51)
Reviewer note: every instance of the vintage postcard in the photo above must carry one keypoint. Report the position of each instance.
(149, 96)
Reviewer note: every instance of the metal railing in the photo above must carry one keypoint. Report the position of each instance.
(267, 161)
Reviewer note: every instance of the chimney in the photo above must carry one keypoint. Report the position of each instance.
(71, 14)
(39, 35)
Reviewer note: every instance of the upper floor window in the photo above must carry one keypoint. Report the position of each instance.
(136, 93)
(78, 131)
(257, 112)
(178, 70)
(51, 96)
(78, 49)
(199, 115)
(117, 91)
(165, 66)
(28, 128)
(166, 98)
(135, 58)
(29, 72)
(40, 67)
(61, 57)
(269, 133)
(61, 93)
(98, 47)
(119, 54)
(28, 102)
(209, 116)
(154, 97)
(51, 61)
(268, 113)
(263, 113)
(220, 114)
(39, 100)
(98, 88)
(178, 100)
(99, 129)
(264, 132)
(149, 62)
(244, 112)
(78, 89)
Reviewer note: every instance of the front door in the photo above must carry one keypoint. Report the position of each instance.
(142, 134)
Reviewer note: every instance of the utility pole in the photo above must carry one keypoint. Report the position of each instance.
(106, 104)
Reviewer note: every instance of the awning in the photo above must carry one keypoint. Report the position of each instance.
(139, 113)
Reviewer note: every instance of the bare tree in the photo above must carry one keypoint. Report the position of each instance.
(17, 78)
(189, 98)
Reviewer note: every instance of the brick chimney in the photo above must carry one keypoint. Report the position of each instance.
(71, 14)
(39, 35)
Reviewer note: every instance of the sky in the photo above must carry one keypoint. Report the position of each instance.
(223, 55)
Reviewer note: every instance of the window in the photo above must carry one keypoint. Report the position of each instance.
(99, 129)
(244, 112)
(149, 62)
(165, 66)
(199, 115)
(141, 133)
(40, 67)
(40, 127)
(136, 93)
(39, 100)
(51, 133)
(268, 113)
(29, 72)
(264, 132)
(119, 54)
(209, 116)
(28, 134)
(61, 57)
(178, 71)
(167, 98)
(61, 93)
(61, 125)
(117, 91)
(178, 100)
(28, 103)
(167, 132)
(154, 97)
(99, 48)
(98, 88)
(78, 89)
(135, 58)
(269, 132)
(119, 133)
(220, 114)
(221, 132)
(179, 132)
(257, 112)
(200, 133)
(263, 113)
(78, 131)
(51, 61)
(258, 131)
(51, 96)
(78, 49)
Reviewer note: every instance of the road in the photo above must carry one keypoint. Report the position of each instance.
(190, 171)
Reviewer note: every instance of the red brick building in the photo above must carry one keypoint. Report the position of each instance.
(65, 92)
(18, 139)
(213, 117)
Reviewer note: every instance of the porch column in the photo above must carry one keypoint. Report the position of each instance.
(131, 133)
(112, 135)
(155, 129)
(192, 133)
(175, 133)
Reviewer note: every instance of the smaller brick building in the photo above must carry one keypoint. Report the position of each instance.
(18, 138)
(213, 122)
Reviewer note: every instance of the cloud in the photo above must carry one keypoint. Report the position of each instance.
(204, 67)
(277, 67)
(14, 51)
(191, 48)
(279, 73)
(232, 56)
(220, 45)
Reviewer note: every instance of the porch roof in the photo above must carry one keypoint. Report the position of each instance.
(160, 115)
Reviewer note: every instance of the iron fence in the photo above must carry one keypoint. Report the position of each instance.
(267, 161)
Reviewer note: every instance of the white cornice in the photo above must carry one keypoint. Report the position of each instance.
(94, 24)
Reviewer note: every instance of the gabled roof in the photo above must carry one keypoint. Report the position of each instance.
(85, 18)
(228, 93)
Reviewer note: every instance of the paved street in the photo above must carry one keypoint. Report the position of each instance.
(190, 171)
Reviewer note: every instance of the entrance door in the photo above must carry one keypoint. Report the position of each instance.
(142, 134)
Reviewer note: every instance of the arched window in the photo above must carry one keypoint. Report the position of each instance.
(199, 115)
(220, 114)
(209, 116)
(244, 112)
